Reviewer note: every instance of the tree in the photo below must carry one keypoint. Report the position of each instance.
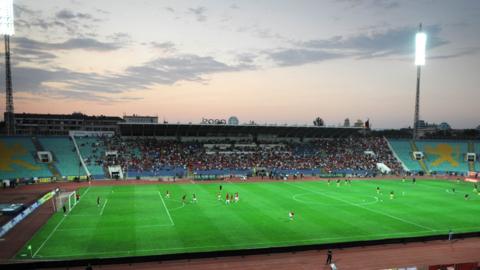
(318, 122)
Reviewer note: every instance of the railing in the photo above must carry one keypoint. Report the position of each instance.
(80, 156)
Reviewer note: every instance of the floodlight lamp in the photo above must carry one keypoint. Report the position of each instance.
(6, 18)
(420, 47)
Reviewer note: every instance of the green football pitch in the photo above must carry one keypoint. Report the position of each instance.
(134, 220)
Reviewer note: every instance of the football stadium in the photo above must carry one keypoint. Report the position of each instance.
(90, 191)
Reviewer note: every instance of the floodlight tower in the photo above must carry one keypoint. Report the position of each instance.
(7, 30)
(420, 47)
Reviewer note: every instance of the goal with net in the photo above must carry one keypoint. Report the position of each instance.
(67, 199)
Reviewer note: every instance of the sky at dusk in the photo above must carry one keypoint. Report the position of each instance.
(270, 61)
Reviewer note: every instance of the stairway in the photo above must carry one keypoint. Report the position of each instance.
(421, 161)
(80, 156)
(38, 145)
(51, 167)
(471, 149)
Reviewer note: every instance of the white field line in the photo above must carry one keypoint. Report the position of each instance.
(166, 209)
(49, 236)
(249, 245)
(86, 191)
(368, 209)
(82, 215)
(103, 207)
(58, 225)
(106, 228)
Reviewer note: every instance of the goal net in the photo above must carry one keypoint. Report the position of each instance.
(67, 199)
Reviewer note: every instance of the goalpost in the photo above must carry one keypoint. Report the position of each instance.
(67, 199)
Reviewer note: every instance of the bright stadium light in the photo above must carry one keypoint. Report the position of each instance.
(6, 18)
(420, 46)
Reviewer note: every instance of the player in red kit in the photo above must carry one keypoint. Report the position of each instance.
(227, 199)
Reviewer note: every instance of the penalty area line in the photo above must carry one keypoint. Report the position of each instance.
(103, 207)
(166, 209)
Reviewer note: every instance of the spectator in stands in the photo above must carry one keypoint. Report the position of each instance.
(330, 155)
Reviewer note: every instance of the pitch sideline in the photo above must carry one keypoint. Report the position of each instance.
(58, 225)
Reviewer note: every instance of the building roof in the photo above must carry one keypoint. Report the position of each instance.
(76, 116)
(137, 129)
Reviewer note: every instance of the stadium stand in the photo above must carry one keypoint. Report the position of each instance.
(476, 148)
(93, 154)
(150, 157)
(404, 151)
(440, 156)
(65, 155)
(444, 156)
(18, 159)
(142, 157)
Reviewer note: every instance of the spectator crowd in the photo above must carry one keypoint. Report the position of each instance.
(328, 155)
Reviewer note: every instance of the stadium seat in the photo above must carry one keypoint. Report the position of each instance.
(65, 156)
(18, 159)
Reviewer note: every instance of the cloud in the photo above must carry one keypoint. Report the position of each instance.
(120, 37)
(462, 52)
(164, 46)
(386, 4)
(66, 14)
(88, 44)
(63, 22)
(373, 44)
(294, 57)
(102, 11)
(199, 13)
(87, 96)
(21, 10)
(383, 4)
(170, 9)
(397, 41)
(28, 79)
(162, 70)
(169, 70)
(266, 33)
(22, 55)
